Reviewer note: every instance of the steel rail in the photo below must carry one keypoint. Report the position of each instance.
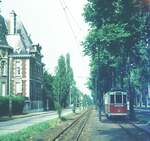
(69, 126)
(81, 129)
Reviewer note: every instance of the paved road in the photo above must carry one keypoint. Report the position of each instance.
(18, 124)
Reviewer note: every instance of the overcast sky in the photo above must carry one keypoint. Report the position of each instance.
(48, 25)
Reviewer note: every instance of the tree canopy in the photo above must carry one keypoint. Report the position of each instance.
(117, 43)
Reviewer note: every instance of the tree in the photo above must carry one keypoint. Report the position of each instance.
(86, 101)
(48, 91)
(76, 95)
(60, 85)
(116, 43)
(63, 82)
(69, 79)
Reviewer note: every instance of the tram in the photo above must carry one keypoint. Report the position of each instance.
(115, 104)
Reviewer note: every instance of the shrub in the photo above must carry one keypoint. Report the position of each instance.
(17, 104)
(4, 105)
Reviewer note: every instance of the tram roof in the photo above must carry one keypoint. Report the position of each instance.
(115, 92)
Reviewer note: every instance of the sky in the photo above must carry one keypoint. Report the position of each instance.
(59, 27)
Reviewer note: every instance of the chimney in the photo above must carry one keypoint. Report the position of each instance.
(12, 23)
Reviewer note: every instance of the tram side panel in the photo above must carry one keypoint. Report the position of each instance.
(106, 104)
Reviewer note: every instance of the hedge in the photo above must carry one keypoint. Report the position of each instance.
(17, 105)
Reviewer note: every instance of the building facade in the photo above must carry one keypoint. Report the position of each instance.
(21, 67)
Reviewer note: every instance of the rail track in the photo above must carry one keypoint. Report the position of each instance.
(136, 133)
(74, 130)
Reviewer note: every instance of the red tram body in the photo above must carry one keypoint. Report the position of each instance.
(115, 103)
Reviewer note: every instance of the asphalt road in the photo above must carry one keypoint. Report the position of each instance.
(18, 124)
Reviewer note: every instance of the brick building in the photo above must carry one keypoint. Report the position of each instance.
(21, 67)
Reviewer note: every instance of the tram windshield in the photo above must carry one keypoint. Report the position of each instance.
(124, 99)
(118, 99)
(112, 99)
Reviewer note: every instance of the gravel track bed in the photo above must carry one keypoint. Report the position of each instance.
(51, 133)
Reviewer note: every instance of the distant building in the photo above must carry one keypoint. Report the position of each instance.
(21, 63)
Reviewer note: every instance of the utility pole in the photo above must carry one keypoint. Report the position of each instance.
(9, 87)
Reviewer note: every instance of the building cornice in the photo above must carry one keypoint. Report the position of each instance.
(6, 47)
(20, 56)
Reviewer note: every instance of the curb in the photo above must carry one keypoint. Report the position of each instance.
(147, 131)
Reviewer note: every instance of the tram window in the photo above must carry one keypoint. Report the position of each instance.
(124, 99)
(111, 98)
(118, 98)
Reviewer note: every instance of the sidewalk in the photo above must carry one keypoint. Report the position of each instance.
(7, 118)
(143, 116)
(18, 124)
(145, 127)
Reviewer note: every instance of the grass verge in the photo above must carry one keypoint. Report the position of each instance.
(26, 133)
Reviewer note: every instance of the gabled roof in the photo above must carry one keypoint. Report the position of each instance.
(24, 35)
(20, 41)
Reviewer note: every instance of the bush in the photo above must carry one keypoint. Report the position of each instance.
(4, 105)
(17, 105)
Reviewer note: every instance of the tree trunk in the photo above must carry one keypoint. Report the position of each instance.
(131, 103)
(113, 79)
(131, 93)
